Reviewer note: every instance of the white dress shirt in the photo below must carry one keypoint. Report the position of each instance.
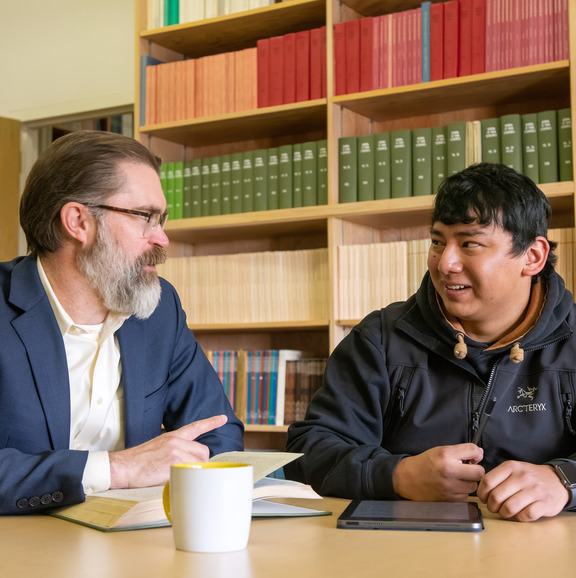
(96, 397)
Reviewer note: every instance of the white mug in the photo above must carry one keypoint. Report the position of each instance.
(210, 505)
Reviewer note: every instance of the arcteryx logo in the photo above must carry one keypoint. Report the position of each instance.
(523, 393)
(527, 407)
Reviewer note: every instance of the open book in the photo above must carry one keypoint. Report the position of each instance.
(116, 510)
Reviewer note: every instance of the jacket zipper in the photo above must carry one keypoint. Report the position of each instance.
(477, 413)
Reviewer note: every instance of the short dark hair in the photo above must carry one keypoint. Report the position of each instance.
(494, 194)
(81, 166)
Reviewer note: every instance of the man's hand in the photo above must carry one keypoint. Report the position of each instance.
(523, 491)
(441, 474)
(149, 463)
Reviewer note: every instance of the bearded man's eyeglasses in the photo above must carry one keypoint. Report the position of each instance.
(153, 220)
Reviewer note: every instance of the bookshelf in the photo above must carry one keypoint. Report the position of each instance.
(9, 187)
(521, 90)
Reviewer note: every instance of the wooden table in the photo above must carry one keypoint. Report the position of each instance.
(45, 547)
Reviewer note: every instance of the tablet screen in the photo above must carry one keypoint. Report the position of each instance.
(406, 515)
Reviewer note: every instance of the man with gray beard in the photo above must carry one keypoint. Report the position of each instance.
(96, 358)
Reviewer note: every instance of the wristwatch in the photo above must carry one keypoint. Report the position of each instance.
(566, 471)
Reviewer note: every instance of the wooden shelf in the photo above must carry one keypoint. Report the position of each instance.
(465, 92)
(272, 326)
(401, 212)
(267, 428)
(239, 30)
(301, 117)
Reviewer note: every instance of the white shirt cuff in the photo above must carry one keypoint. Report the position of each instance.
(96, 476)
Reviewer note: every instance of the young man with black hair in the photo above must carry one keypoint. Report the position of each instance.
(492, 325)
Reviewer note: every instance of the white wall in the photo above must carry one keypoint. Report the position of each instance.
(65, 57)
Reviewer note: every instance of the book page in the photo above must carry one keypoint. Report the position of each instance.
(264, 463)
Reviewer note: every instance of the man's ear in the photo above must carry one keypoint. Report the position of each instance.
(536, 256)
(78, 222)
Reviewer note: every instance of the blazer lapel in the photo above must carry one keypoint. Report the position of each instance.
(39, 332)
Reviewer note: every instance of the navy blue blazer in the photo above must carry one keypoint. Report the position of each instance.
(167, 380)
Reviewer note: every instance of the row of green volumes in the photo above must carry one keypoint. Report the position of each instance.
(538, 145)
(281, 177)
(267, 387)
(406, 162)
(169, 12)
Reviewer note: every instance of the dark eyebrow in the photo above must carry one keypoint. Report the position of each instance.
(475, 232)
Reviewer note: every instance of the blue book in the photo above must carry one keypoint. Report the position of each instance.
(425, 41)
(145, 61)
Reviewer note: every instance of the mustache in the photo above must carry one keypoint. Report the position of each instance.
(156, 256)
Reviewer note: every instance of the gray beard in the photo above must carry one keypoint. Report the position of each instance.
(124, 286)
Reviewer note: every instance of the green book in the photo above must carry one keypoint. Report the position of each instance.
(226, 185)
(439, 156)
(382, 177)
(309, 174)
(297, 168)
(285, 175)
(366, 167)
(530, 146)
(169, 191)
(422, 161)
(205, 197)
(564, 123)
(178, 212)
(196, 186)
(273, 178)
(348, 169)
(247, 181)
(187, 190)
(401, 163)
(511, 138)
(455, 148)
(215, 186)
(163, 179)
(236, 183)
(260, 180)
(548, 146)
(322, 194)
(490, 138)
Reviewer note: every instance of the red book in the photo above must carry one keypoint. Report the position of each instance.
(369, 53)
(451, 38)
(289, 68)
(323, 78)
(465, 49)
(352, 56)
(340, 58)
(415, 36)
(316, 54)
(395, 53)
(302, 65)
(478, 36)
(384, 79)
(263, 48)
(436, 41)
(276, 70)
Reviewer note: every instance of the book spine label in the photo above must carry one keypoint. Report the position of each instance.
(490, 139)
(226, 185)
(511, 131)
(530, 146)
(348, 169)
(261, 180)
(548, 146)
(382, 176)
(439, 156)
(565, 167)
(366, 168)
(309, 174)
(401, 163)
(273, 178)
(456, 149)
(422, 161)
(285, 177)
(322, 190)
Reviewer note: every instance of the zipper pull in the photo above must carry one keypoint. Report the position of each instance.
(475, 421)
(567, 397)
(401, 397)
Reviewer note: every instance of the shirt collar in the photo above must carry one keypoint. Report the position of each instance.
(111, 324)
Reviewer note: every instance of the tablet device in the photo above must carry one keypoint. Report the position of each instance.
(407, 515)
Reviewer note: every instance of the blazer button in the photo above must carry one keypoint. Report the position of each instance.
(46, 499)
(57, 497)
(34, 501)
(22, 503)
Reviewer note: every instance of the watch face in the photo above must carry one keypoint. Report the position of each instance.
(567, 473)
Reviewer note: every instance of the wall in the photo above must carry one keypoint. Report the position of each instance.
(65, 57)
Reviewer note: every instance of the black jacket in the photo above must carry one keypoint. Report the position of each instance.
(393, 388)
